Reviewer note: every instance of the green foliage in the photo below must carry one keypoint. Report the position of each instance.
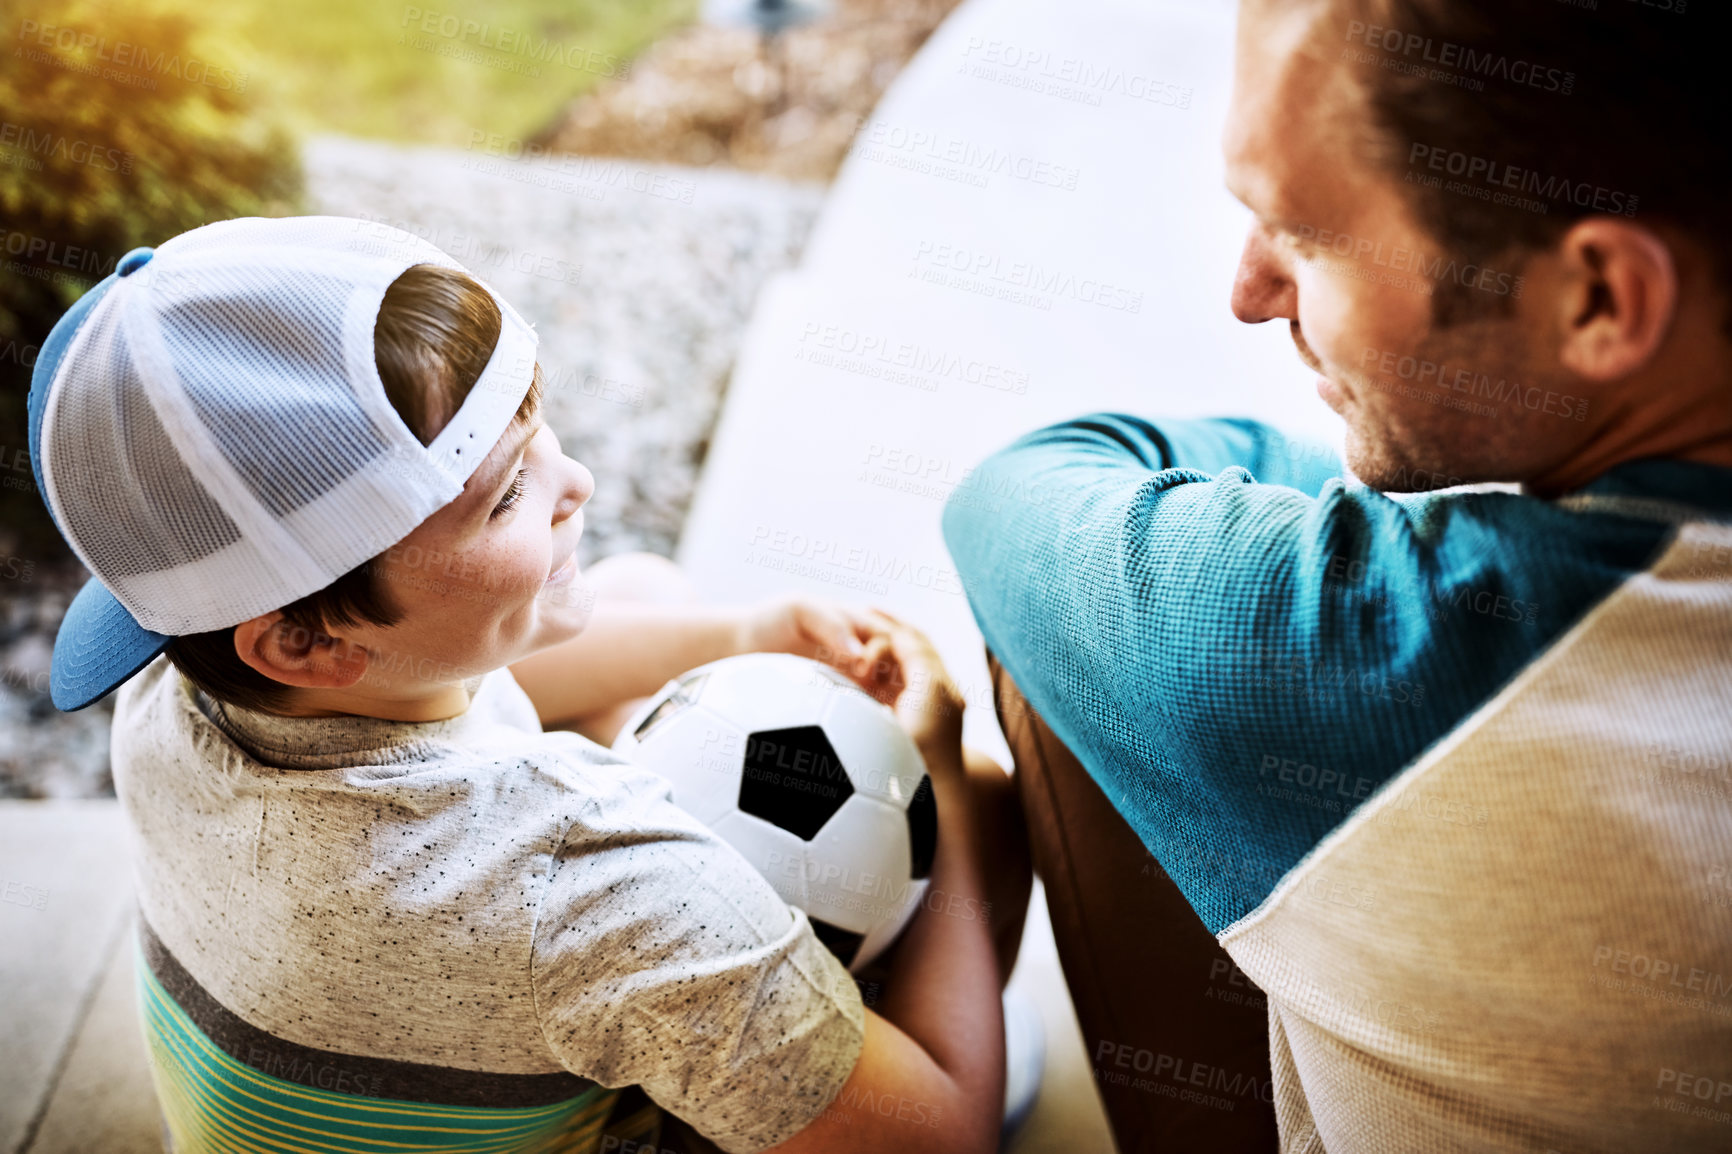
(435, 71)
(132, 123)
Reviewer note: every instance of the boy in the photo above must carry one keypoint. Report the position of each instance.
(334, 558)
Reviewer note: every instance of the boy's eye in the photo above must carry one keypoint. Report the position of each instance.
(511, 494)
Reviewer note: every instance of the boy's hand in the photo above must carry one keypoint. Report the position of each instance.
(902, 669)
(826, 631)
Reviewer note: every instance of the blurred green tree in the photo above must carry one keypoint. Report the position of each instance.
(120, 125)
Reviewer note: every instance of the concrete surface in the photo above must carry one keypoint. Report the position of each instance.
(1021, 235)
(65, 898)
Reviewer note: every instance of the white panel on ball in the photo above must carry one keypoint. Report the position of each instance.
(766, 691)
(706, 781)
(857, 868)
(775, 853)
(888, 771)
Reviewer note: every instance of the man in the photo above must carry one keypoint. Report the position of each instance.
(1403, 818)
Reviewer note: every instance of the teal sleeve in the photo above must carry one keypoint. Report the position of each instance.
(1240, 644)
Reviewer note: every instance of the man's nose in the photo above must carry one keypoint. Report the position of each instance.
(1263, 288)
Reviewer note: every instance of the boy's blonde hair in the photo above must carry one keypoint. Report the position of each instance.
(435, 332)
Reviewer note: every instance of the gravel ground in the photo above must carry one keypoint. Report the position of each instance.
(639, 279)
(714, 94)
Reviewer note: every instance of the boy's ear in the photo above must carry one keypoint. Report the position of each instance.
(295, 655)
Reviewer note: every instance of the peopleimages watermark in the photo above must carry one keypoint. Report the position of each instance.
(15, 470)
(16, 893)
(1413, 54)
(1241, 992)
(922, 366)
(1354, 895)
(1510, 184)
(1397, 259)
(20, 353)
(842, 888)
(1018, 282)
(1682, 770)
(886, 1105)
(532, 48)
(1290, 671)
(1121, 1063)
(1663, 979)
(1286, 779)
(289, 1067)
(934, 153)
(1719, 883)
(475, 252)
(127, 59)
(1367, 1005)
(603, 388)
(70, 263)
(1684, 1092)
(30, 144)
(593, 175)
(840, 563)
(1349, 575)
(1472, 383)
(937, 478)
(1068, 78)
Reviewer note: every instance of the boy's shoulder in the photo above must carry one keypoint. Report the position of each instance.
(177, 753)
(159, 706)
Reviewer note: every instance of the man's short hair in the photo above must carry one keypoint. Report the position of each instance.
(1507, 121)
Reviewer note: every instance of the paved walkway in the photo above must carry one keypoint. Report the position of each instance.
(75, 1077)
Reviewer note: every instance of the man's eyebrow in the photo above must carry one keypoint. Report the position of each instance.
(1243, 191)
(1269, 216)
(1232, 186)
(509, 468)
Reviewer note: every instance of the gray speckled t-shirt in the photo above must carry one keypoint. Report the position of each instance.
(475, 894)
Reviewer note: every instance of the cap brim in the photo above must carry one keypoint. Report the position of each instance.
(99, 646)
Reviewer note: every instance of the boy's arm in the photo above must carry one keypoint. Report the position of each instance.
(630, 649)
(663, 957)
(930, 1076)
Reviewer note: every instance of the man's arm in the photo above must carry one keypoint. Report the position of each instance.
(1212, 646)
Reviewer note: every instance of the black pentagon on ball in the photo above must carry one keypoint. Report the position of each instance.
(793, 779)
(843, 943)
(923, 828)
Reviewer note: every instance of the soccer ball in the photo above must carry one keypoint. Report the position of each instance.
(811, 779)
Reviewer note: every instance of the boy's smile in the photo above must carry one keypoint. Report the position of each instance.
(486, 580)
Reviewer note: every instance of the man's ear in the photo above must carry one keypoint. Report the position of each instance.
(1619, 300)
(295, 655)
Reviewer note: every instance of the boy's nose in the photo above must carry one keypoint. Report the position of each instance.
(582, 483)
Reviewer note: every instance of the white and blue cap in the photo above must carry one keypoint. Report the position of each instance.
(211, 436)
